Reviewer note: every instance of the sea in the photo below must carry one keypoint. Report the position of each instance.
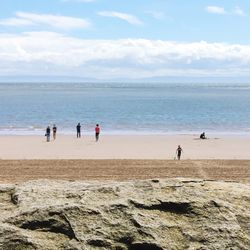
(125, 108)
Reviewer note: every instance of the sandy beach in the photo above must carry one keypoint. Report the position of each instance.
(24, 158)
(17, 171)
(125, 147)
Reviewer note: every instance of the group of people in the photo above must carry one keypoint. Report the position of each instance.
(97, 131)
(48, 131)
(179, 150)
(78, 132)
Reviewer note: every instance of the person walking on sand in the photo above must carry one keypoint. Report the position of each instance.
(48, 133)
(178, 152)
(78, 130)
(97, 132)
(54, 131)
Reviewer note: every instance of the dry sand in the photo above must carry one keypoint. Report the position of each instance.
(124, 157)
(125, 147)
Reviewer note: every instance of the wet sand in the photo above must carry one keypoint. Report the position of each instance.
(16, 171)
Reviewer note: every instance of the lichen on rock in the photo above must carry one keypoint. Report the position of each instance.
(154, 214)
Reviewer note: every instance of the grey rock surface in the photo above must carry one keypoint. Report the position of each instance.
(136, 215)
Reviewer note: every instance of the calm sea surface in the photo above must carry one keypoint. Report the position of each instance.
(125, 108)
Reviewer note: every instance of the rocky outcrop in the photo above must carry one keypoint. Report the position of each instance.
(136, 215)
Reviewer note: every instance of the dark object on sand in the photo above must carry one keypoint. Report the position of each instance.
(203, 136)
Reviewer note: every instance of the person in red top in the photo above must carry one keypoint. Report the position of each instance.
(97, 132)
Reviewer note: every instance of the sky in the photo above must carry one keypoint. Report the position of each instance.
(118, 39)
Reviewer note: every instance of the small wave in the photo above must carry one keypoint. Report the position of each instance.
(40, 132)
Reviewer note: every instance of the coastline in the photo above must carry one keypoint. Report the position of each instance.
(134, 132)
(218, 146)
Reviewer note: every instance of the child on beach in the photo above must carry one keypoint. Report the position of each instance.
(178, 152)
(97, 132)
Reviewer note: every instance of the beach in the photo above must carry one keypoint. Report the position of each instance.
(19, 171)
(113, 157)
(157, 147)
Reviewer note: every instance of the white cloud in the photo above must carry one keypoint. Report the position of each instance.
(238, 11)
(216, 10)
(221, 11)
(55, 21)
(15, 22)
(156, 14)
(123, 16)
(48, 53)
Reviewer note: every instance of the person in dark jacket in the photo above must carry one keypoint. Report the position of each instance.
(203, 136)
(178, 152)
(78, 130)
(48, 133)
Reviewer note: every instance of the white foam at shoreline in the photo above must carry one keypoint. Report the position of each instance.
(41, 132)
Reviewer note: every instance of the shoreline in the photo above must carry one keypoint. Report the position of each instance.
(125, 147)
(40, 133)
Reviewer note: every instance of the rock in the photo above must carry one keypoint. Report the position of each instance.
(136, 215)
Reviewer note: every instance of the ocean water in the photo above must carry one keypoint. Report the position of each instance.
(27, 108)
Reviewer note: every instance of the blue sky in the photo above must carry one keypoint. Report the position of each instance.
(125, 39)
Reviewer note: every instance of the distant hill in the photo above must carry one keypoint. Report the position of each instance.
(73, 79)
(39, 79)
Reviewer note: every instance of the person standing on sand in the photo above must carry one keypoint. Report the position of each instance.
(78, 130)
(48, 133)
(97, 132)
(54, 131)
(178, 152)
